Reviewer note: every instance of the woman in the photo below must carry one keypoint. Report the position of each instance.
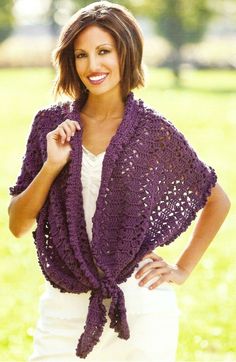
(108, 180)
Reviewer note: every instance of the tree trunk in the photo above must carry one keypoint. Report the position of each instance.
(176, 62)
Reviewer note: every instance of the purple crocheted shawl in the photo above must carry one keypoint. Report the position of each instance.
(152, 186)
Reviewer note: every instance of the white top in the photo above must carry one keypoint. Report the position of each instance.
(138, 299)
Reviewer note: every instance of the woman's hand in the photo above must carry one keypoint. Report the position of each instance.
(58, 146)
(158, 267)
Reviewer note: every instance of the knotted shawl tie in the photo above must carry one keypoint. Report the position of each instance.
(96, 317)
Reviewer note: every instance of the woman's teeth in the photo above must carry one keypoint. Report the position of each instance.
(97, 78)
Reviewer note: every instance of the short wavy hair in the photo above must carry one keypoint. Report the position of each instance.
(122, 26)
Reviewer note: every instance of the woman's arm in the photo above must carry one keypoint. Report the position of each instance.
(209, 222)
(24, 207)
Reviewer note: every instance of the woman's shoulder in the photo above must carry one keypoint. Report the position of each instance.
(53, 109)
(158, 125)
(50, 115)
(155, 118)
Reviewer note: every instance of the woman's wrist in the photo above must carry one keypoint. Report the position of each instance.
(178, 274)
(52, 167)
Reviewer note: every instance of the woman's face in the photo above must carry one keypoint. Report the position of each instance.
(96, 61)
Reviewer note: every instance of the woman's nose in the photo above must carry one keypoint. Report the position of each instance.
(93, 63)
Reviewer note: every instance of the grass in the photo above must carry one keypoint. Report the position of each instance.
(203, 108)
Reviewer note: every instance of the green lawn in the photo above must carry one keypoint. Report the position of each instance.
(203, 108)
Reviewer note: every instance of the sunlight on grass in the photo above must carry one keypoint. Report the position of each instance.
(202, 107)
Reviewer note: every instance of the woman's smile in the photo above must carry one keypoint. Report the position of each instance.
(98, 78)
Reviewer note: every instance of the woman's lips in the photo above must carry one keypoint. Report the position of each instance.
(98, 79)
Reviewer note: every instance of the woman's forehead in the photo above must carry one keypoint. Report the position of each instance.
(94, 35)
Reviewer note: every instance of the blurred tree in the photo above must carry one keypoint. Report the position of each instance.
(54, 27)
(6, 18)
(58, 13)
(181, 22)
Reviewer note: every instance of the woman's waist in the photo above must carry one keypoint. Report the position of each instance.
(137, 299)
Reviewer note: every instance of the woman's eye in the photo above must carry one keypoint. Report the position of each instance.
(81, 55)
(105, 51)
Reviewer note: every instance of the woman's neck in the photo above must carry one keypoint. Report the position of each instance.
(103, 108)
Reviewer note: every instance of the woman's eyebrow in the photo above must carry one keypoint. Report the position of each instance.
(100, 45)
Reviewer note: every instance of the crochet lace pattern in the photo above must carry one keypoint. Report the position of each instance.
(152, 186)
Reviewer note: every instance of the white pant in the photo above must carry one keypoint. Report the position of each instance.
(152, 317)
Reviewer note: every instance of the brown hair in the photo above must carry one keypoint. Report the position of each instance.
(122, 26)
